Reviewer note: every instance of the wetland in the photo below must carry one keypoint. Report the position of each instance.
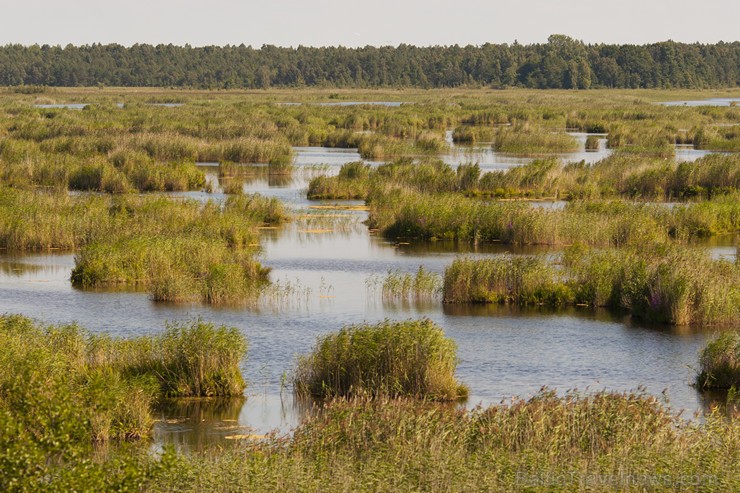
(586, 282)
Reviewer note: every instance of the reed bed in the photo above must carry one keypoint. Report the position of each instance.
(179, 250)
(411, 358)
(83, 150)
(506, 279)
(618, 176)
(673, 285)
(33, 221)
(405, 214)
(574, 442)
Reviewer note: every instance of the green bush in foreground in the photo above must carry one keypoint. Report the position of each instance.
(62, 390)
(411, 358)
(720, 362)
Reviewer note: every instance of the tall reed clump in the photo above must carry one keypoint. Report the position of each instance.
(193, 359)
(181, 250)
(592, 143)
(507, 279)
(473, 134)
(400, 286)
(352, 182)
(257, 209)
(664, 284)
(411, 358)
(176, 268)
(719, 362)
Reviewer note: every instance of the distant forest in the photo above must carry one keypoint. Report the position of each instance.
(562, 62)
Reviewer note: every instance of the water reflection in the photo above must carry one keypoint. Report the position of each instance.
(194, 425)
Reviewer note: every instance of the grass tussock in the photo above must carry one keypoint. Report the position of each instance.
(527, 140)
(719, 362)
(394, 359)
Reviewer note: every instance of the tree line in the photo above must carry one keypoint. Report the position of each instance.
(561, 63)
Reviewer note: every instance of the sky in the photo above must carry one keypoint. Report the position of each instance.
(370, 22)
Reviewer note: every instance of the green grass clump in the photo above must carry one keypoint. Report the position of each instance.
(720, 362)
(394, 359)
(352, 182)
(526, 140)
(257, 209)
(592, 143)
(173, 268)
(471, 134)
(195, 359)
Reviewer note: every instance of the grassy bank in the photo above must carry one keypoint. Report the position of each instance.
(411, 358)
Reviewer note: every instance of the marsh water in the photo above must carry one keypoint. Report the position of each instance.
(703, 102)
(329, 265)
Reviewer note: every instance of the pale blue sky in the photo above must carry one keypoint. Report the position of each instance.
(373, 22)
